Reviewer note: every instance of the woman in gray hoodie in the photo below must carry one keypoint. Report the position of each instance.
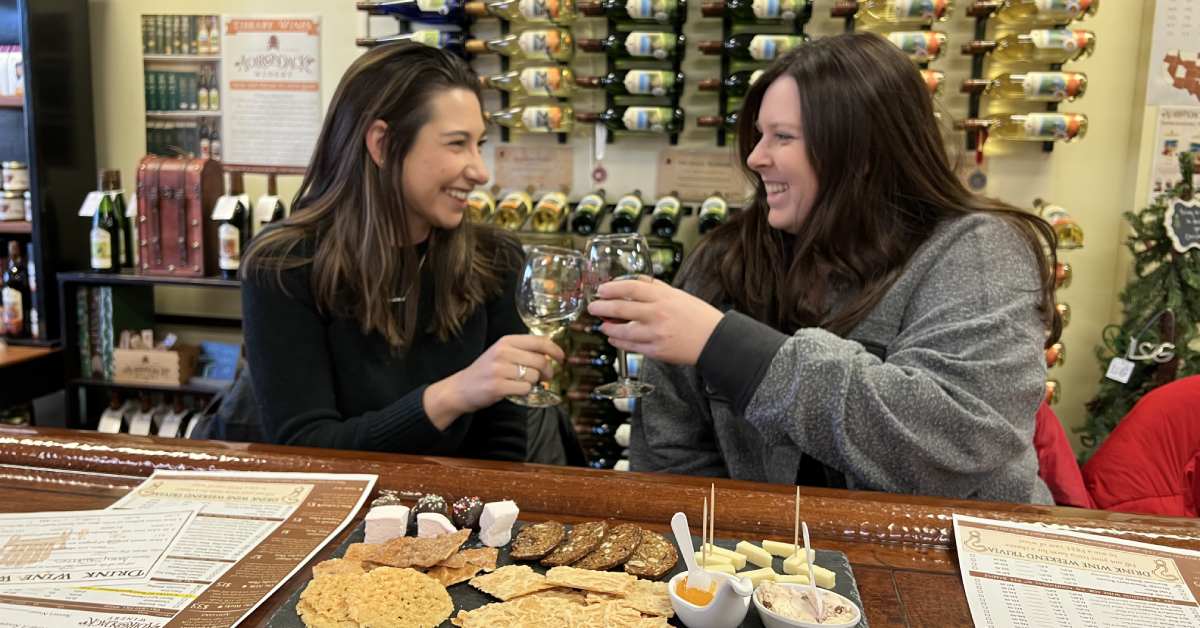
(866, 322)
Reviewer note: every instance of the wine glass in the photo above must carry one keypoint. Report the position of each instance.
(549, 297)
(611, 257)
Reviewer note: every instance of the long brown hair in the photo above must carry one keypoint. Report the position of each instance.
(351, 212)
(884, 183)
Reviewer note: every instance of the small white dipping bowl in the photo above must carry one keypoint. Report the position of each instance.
(771, 619)
(722, 612)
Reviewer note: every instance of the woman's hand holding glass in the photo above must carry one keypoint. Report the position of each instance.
(549, 297)
(652, 318)
(612, 257)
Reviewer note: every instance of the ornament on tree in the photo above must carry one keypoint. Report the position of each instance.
(1156, 342)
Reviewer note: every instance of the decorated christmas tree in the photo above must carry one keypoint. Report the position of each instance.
(1157, 340)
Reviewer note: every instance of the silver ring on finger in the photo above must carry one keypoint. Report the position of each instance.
(521, 370)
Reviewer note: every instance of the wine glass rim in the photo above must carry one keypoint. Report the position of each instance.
(553, 250)
(608, 237)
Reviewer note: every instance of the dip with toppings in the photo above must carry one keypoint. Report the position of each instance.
(794, 603)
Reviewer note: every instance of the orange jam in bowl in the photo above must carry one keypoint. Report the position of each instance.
(698, 597)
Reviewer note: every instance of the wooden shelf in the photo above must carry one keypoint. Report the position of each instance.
(16, 226)
(12, 102)
(183, 114)
(180, 58)
(30, 342)
(131, 279)
(184, 388)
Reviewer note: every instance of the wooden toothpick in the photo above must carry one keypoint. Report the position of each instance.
(796, 526)
(703, 534)
(712, 522)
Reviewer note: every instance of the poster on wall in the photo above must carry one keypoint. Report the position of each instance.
(1174, 77)
(272, 85)
(1178, 131)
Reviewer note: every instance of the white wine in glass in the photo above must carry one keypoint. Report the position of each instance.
(549, 297)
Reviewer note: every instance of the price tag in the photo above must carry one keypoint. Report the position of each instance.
(227, 204)
(263, 209)
(109, 424)
(1119, 370)
(91, 203)
(171, 424)
(140, 424)
(131, 209)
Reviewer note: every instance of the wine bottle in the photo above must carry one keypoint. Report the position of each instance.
(526, 11)
(543, 80)
(1034, 127)
(549, 212)
(760, 11)
(428, 11)
(113, 187)
(214, 140)
(202, 90)
(445, 40)
(661, 11)
(636, 45)
(934, 79)
(596, 359)
(729, 122)
(513, 210)
(636, 82)
(15, 299)
(1055, 45)
(588, 212)
(736, 84)
(214, 35)
(753, 47)
(637, 119)
(1062, 275)
(1056, 355)
(666, 260)
(1031, 86)
(105, 236)
(1045, 12)
(205, 141)
(713, 213)
(536, 118)
(1053, 389)
(920, 46)
(544, 44)
(233, 231)
(1064, 312)
(906, 12)
(480, 206)
(627, 214)
(1070, 234)
(214, 90)
(664, 220)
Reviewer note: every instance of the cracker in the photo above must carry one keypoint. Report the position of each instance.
(457, 561)
(338, 566)
(411, 552)
(450, 576)
(646, 596)
(537, 540)
(582, 540)
(588, 580)
(616, 548)
(399, 597)
(484, 557)
(570, 596)
(511, 581)
(612, 614)
(653, 558)
(362, 552)
(324, 601)
(524, 612)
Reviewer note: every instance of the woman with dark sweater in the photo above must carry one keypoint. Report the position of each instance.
(867, 322)
(376, 317)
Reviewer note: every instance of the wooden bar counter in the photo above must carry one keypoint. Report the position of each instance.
(901, 547)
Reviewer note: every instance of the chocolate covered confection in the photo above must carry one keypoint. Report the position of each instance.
(466, 511)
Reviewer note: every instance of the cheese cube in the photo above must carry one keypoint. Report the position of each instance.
(755, 554)
(739, 560)
(713, 559)
(796, 579)
(721, 569)
(759, 575)
(385, 523)
(784, 550)
(498, 514)
(433, 524)
(795, 566)
(496, 537)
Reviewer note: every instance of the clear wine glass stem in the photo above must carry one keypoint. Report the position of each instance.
(622, 366)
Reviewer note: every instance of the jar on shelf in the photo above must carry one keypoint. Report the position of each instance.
(16, 176)
(12, 206)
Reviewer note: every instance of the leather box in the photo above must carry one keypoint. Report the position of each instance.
(175, 196)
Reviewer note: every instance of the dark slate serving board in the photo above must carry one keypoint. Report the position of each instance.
(467, 597)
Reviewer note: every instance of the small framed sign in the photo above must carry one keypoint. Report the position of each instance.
(1183, 224)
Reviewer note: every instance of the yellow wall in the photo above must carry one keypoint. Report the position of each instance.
(1095, 179)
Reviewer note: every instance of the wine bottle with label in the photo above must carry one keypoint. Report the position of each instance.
(1033, 127)
(636, 82)
(889, 12)
(920, 46)
(105, 239)
(588, 213)
(555, 81)
(549, 212)
(202, 90)
(753, 47)
(525, 11)
(1031, 86)
(542, 44)
(729, 121)
(480, 206)
(627, 214)
(233, 232)
(444, 40)
(513, 210)
(15, 297)
(934, 79)
(536, 118)
(1055, 45)
(713, 213)
(653, 120)
(428, 11)
(661, 11)
(1045, 12)
(760, 11)
(736, 84)
(1062, 275)
(637, 45)
(665, 259)
(664, 220)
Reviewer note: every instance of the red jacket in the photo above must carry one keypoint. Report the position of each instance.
(1149, 463)
(1056, 461)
